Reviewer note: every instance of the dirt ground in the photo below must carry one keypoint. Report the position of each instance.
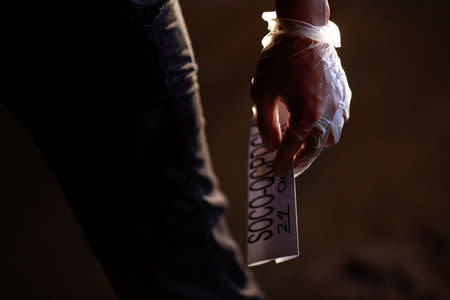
(373, 211)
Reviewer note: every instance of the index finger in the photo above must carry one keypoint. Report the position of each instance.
(290, 145)
(298, 131)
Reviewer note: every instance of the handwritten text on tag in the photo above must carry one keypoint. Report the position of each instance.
(272, 209)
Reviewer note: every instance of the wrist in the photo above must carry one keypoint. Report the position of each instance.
(315, 12)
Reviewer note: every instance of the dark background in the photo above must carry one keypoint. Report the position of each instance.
(373, 211)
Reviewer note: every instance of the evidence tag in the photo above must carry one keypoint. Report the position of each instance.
(272, 207)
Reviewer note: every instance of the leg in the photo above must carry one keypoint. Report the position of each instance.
(128, 147)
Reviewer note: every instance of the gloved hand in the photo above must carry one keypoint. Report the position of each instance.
(300, 67)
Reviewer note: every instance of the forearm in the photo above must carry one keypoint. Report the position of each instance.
(316, 12)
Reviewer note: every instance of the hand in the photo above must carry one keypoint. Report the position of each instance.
(308, 78)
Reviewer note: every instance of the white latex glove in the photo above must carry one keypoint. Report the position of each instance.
(300, 66)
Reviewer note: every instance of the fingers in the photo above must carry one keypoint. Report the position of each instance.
(265, 112)
(289, 147)
(298, 131)
(324, 134)
(310, 150)
(336, 126)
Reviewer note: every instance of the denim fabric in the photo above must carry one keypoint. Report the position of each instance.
(120, 123)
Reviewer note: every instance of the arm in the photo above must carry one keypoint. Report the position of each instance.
(316, 12)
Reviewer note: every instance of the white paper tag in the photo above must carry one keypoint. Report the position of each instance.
(272, 208)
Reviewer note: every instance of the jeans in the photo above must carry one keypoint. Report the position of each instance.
(113, 103)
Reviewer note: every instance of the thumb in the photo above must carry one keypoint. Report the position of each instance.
(265, 112)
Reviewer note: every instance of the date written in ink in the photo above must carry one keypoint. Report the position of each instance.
(285, 219)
